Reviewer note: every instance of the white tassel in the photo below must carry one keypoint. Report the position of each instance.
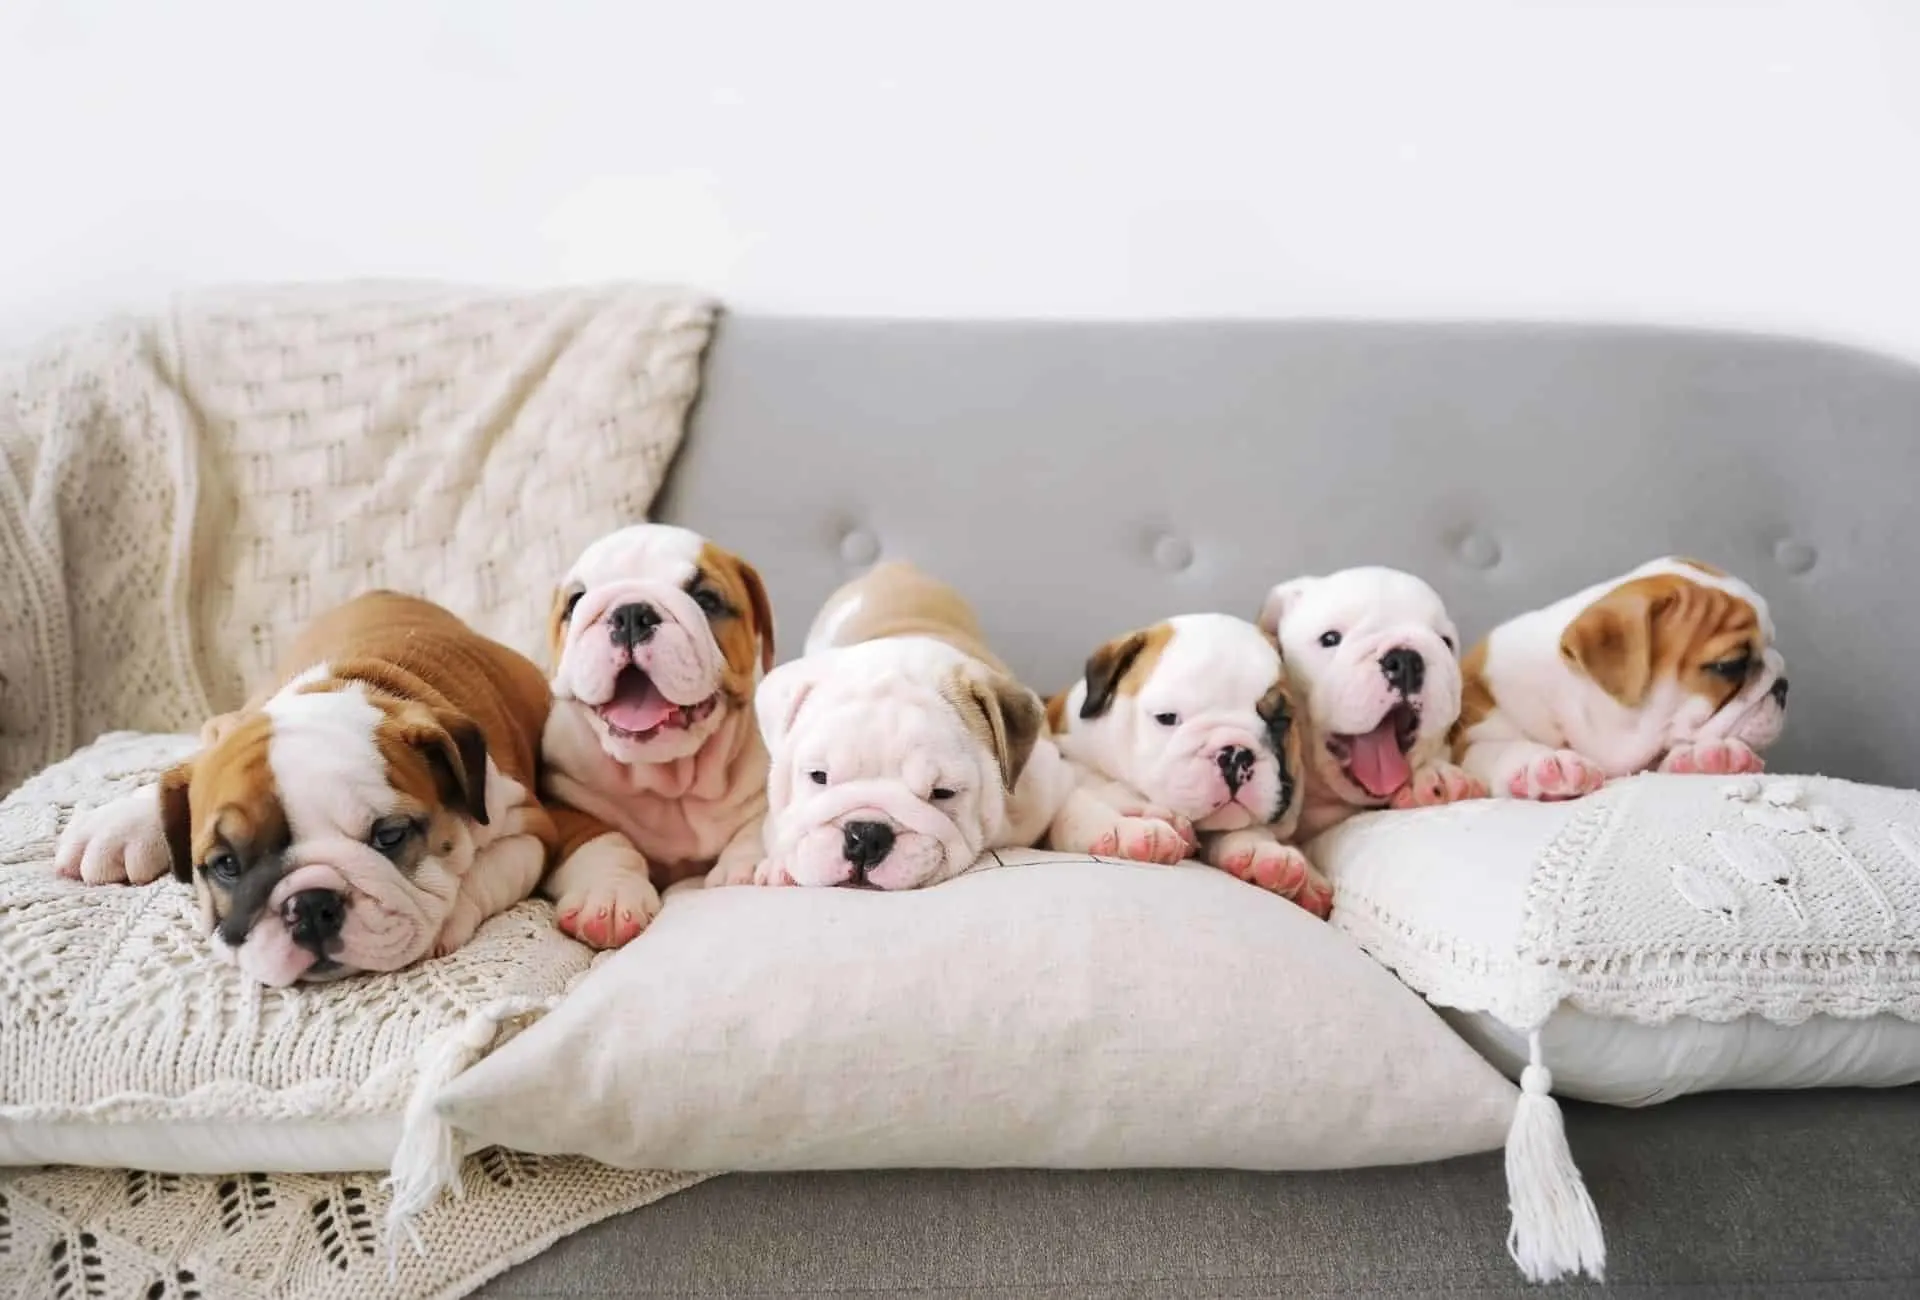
(1556, 1230)
(427, 1159)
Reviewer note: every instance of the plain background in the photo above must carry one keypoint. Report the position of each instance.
(1747, 164)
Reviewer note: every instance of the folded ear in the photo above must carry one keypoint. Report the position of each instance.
(1003, 713)
(456, 752)
(777, 700)
(1274, 608)
(176, 817)
(762, 609)
(1105, 667)
(1611, 641)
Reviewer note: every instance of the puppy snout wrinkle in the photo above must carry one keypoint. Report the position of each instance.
(1404, 670)
(1236, 765)
(632, 625)
(866, 844)
(1779, 692)
(314, 918)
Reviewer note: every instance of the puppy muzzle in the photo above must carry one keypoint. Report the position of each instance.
(873, 832)
(340, 909)
(643, 656)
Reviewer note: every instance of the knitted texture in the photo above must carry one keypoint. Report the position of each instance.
(180, 494)
(111, 1233)
(1661, 896)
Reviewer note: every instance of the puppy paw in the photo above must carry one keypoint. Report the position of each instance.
(770, 872)
(123, 842)
(1438, 784)
(1556, 774)
(1143, 839)
(1713, 758)
(1281, 869)
(610, 909)
(460, 925)
(737, 869)
(1182, 826)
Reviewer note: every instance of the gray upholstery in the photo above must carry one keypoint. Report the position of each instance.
(1079, 480)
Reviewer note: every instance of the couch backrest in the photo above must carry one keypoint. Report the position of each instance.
(1077, 480)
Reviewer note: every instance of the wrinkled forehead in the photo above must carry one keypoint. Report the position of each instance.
(889, 715)
(333, 748)
(1214, 661)
(642, 552)
(235, 794)
(1360, 600)
(1712, 580)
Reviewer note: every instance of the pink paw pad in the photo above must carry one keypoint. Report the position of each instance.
(1560, 775)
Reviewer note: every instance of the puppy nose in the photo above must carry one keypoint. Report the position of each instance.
(1236, 765)
(1779, 692)
(632, 625)
(866, 843)
(1404, 669)
(313, 917)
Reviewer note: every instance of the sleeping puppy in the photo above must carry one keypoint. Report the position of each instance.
(373, 809)
(1671, 666)
(1376, 657)
(902, 748)
(658, 639)
(1184, 734)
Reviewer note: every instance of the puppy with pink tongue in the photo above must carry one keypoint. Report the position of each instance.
(1376, 660)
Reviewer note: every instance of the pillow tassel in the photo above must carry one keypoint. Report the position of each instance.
(1556, 1230)
(426, 1161)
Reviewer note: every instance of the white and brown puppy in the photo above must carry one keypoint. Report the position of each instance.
(1376, 657)
(1671, 666)
(902, 748)
(372, 809)
(1185, 739)
(659, 638)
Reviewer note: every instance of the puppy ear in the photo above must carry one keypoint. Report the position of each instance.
(1274, 607)
(176, 817)
(777, 700)
(1003, 713)
(1105, 667)
(762, 611)
(557, 626)
(1611, 641)
(456, 751)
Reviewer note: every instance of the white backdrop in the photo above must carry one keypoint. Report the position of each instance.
(1751, 164)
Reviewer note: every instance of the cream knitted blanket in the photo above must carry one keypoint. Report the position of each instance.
(180, 493)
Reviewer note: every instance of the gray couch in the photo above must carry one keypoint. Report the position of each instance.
(1078, 480)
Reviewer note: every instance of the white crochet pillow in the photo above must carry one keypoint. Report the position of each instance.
(124, 1042)
(1668, 934)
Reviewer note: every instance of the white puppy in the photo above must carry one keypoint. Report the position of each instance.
(1377, 660)
(1669, 666)
(1184, 734)
(658, 639)
(902, 749)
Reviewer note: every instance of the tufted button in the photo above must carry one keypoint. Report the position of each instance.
(1172, 553)
(1478, 551)
(1794, 557)
(859, 547)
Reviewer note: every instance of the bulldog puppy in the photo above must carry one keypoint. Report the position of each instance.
(1671, 666)
(1185, 739)
(372, 809)
(1377, 658)
(902, 748)
(659, 638)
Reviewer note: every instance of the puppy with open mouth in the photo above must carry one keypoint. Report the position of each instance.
(1184, 737)
(653, 756)
(1377, 660)
(902, 749)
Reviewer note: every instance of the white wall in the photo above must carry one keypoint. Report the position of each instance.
(1754, 164)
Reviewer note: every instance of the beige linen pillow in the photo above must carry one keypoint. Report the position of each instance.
(1059, 1011)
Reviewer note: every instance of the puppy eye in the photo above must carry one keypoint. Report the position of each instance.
(1447, 641)
(818, 776)
(709, 602)
(222, 866)
(390, 833)
(1329, 639)
(941, 793)
(1167, 719)
(1733, 670)
(572, 600)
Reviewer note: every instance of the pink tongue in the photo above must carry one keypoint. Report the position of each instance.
(636, 704)
(1377, 763)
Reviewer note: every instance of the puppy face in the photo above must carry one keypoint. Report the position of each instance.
(1684, 652)
(1378, 661)
(657, 633)
(327, 834)
(892, 762)
(1197, 715)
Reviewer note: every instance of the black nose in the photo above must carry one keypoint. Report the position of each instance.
(866, 843)
(1405, 670)
(1236, 765)
(314, 917)
(633, 625)
(1779, 692)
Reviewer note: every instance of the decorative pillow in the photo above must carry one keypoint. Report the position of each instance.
(1667, 934)
(125, 1042)
(1057, 1011)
